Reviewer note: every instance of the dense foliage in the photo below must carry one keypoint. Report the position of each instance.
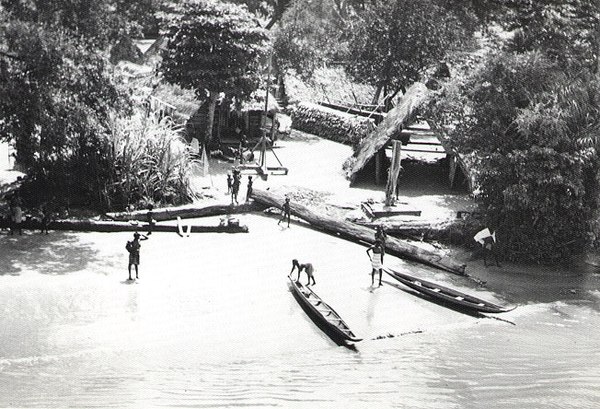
(56, 98)
(535, 131)
(150, 160)
(394, 42)
(310, 35)
(59, 94)
(214, 48)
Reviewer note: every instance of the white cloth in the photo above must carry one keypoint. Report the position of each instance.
(480, 236)
(376, 261)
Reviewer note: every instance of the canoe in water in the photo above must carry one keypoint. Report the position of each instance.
(446, 295)
(322, 313)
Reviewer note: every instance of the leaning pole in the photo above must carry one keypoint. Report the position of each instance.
(357, 233)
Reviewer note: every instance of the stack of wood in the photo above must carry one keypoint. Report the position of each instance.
(331, 124)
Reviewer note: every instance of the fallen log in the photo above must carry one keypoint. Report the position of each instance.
(185, 212)
(116, 226)
(356, 233)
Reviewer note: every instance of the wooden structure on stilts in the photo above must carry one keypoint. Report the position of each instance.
(260, 167)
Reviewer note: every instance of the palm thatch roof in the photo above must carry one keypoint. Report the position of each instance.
(396, 119)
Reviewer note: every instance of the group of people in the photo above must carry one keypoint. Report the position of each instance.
(234, 180)
(375, 253)
(16, 216)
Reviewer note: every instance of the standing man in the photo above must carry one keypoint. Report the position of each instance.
(17, 217)
(286, 212)
(150, 218)
(376, 261)
(229, 183)
(235, 186)
(249, 191)
(133, 247)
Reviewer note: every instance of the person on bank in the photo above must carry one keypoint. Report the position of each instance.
(381, 235)
(285, 212)
(308, 267)
(16, 218)
(133, 247)
(376, 260)
(235, 186)
(249, 191)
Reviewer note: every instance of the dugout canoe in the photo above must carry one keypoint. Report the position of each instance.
(322, 313)
(447, 295)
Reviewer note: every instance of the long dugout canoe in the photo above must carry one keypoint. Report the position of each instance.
(356, 233)
(112, 226)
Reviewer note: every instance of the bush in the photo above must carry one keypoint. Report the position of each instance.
(535, 130)
(151, 163)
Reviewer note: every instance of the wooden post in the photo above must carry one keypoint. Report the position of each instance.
(393, 173)
(378, 163)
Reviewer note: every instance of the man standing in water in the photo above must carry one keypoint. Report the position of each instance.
(308, 267)
(286, 212)
(133, 247)
(376, 261)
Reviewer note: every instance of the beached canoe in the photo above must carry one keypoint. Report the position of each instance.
(322, 313)
(446, 295)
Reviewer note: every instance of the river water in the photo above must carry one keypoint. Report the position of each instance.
(211, 323)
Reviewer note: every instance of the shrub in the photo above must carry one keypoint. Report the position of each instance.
(152, 163)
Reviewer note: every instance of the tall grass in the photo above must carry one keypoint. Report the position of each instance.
(152, 162)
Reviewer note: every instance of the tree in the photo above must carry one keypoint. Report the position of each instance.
(394, 42)
(535, 129)
(96, 22)
(270, 9)
(568, 31)
(214, 48)
(310, 35)
(56, 98)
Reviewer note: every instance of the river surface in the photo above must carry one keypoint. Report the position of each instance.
(212, 323)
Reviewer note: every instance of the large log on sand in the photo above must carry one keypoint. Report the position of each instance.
(185, 212)
(113, 226)
(358, 233)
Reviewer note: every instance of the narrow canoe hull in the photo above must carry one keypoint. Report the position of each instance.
(322, 314)
(447, 295)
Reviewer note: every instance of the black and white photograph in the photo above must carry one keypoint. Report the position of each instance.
(300, 204)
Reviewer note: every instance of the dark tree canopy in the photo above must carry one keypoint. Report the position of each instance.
(214, 47)
(56, 99)
(394, 42)
(94, 21)
(310, 35)
(535, 130)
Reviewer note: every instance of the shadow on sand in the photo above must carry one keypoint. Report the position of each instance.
(57, 253)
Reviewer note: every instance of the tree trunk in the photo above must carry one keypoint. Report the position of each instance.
(393, 173)
(210, 120)
(185, 212)
(377, 94)
(356, 233)
(113, 226)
